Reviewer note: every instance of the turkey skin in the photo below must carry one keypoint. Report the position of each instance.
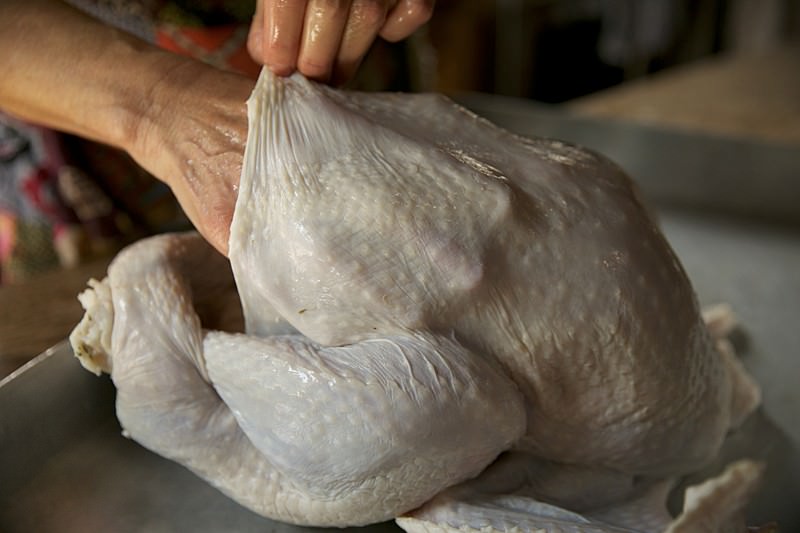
(424, 316)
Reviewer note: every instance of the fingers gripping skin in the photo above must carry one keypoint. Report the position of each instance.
(293, 430)
(326, 39)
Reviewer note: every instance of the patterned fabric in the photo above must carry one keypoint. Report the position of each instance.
(64, 200)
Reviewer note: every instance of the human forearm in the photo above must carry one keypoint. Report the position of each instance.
(67, 71)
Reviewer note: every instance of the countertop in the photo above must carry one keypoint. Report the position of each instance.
(755, 96)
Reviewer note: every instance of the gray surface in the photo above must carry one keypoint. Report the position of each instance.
(742, 177)
(65, 467)
(756, 269)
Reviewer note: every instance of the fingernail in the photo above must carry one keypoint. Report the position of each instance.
(280, 69)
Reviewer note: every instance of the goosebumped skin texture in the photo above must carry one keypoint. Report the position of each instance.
(405, 212)
(422, 292)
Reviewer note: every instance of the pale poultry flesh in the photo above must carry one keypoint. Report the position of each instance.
(444, 323)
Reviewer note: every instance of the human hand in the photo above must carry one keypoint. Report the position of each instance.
(192, 137)
(326, 40)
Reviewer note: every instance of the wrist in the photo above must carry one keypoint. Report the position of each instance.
(188, 106)
(191, 134)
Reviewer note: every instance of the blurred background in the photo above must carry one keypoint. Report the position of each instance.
(556, 50)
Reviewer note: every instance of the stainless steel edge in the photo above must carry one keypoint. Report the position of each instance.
(675, 168)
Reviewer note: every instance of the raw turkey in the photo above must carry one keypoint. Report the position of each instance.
(444, 323)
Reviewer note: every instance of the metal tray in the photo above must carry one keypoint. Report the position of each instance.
(64, 465)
